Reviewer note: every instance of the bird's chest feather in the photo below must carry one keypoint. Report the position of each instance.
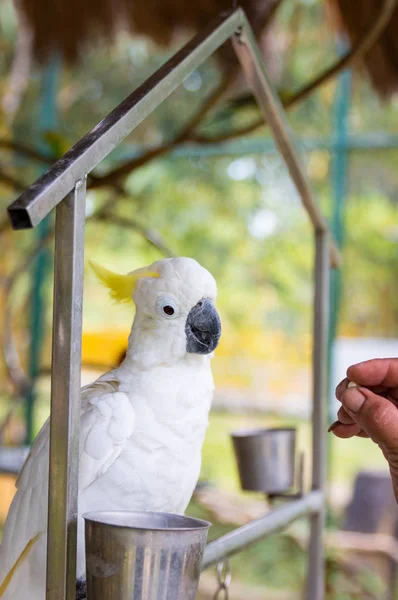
(159, 466)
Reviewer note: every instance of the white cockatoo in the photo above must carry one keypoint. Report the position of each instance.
(142, 425)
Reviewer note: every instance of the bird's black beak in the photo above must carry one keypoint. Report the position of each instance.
(203, 328)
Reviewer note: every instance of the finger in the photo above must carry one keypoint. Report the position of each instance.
(379, 371)
(342, 388)
(378, 389)
(376, 415)
(345, 431)
(383, 390)
(344, 417)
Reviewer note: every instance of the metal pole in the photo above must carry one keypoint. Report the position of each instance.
(316, 567)
(65, 395)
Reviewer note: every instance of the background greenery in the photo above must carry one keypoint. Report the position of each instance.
(237, 213)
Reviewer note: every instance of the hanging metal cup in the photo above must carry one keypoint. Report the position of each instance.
(143, 555)
(266, 459)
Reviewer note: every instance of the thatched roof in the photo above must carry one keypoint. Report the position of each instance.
(381, 62)
(67, 26)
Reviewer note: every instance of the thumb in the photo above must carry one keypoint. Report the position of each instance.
(376, 415)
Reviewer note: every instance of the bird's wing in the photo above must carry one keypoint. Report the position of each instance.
(107, 421)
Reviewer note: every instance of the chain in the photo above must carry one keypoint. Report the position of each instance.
(223, 580)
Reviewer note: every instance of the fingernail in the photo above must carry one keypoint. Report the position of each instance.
(334, 425)
(353, 400)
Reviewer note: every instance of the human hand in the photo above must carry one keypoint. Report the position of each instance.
(370, 408)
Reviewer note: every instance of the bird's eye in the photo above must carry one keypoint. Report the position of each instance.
(167, 307)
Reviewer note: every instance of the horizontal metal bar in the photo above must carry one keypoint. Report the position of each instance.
(41, 197)
(250, 58)
(253, 532)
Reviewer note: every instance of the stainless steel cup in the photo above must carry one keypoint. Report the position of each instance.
(143, 555)
(266, 459)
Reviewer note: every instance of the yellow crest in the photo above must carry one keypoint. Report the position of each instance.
(121, 286)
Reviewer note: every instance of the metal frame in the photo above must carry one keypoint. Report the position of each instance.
(63, 187)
